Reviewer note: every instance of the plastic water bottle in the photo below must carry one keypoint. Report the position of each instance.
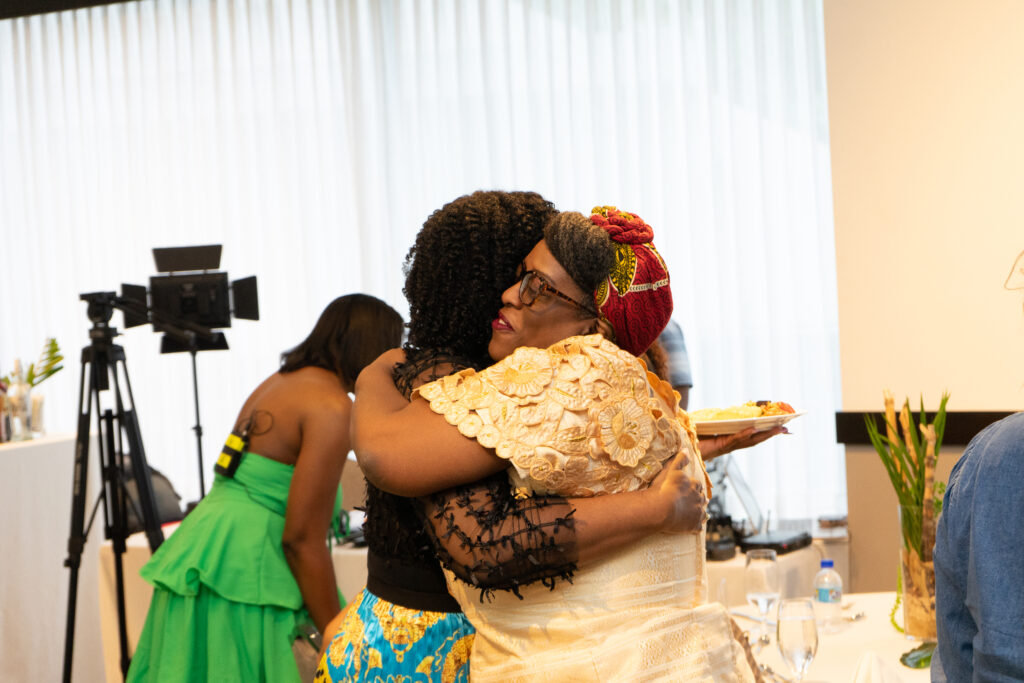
(828, 596)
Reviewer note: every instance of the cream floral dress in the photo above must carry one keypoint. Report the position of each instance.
(584, 418)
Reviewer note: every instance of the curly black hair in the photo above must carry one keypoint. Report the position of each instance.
(464, 257)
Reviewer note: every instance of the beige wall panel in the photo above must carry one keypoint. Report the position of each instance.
(926, 101)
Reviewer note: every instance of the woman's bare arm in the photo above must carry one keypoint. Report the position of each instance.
(405, 448)
(325, 444)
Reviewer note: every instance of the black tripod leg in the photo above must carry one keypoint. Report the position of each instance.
(76, 538)
(99, 364)
(117, 529)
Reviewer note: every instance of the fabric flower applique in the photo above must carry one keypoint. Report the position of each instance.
(571, 366)
(626, 430)
(548, 468)
(570, 395)
(514, 443)
(525, 373)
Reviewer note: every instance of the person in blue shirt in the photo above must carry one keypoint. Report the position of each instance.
(674, 346)
(979, 561)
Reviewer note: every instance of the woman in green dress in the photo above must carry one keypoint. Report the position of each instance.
(232, 585)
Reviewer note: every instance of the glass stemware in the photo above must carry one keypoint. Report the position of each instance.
(797, 634)
(761, 580)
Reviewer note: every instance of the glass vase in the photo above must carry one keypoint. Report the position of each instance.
(18, 409)
(917, 572)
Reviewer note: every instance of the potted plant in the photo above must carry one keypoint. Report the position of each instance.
(25, 415)
(909, 450)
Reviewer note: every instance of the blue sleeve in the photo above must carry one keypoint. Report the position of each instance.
(674, 344)
(995, 566)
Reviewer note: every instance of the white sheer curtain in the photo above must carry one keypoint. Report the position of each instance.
(313, 137)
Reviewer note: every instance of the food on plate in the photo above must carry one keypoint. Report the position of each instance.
(733, 413)
(747, 410)
(775, 407)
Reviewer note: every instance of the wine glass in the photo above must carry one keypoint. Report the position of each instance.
(761, 580)
(797, 634)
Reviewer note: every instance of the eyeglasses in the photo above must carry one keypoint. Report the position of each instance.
(533, 285)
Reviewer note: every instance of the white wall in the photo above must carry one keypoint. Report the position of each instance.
(925, 110)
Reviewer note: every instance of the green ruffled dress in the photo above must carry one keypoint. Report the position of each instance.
(225, 606)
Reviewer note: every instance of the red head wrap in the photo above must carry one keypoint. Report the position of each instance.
(635, 298)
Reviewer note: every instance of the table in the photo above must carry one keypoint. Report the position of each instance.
(870, 640)
(35, 505)
(837, 659)
(137, 595)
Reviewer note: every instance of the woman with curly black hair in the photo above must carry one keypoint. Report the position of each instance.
(405, 622)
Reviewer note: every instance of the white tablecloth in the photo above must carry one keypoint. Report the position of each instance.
(870, 647)
(35, 506)
(838, 655)
(797, 570)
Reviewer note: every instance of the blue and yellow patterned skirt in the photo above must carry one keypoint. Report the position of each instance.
(379, 641)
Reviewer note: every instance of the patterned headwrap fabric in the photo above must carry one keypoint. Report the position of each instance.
(635, 298)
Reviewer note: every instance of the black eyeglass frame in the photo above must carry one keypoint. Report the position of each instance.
(524, 289)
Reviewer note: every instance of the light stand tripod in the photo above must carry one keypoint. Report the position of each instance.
(101, 361)
(198, 428)
(185, 335)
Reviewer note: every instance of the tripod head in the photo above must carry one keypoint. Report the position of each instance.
(101, 307)
(101, 337)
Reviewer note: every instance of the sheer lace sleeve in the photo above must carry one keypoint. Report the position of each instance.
(490, 539)
(425, 365)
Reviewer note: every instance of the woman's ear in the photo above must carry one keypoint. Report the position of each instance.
(602, 327)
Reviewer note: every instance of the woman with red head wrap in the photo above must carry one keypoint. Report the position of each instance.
(566, 412)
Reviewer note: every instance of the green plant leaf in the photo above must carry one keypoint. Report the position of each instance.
(920, 657)
(940, 423)
(940, 493)
(882, 446)
(48, 363)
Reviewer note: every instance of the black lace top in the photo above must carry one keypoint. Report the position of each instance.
(481, 532)
(492, 540)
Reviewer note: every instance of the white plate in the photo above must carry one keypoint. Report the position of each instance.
(718, 427)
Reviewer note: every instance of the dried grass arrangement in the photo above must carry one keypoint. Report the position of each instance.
(909, 457)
